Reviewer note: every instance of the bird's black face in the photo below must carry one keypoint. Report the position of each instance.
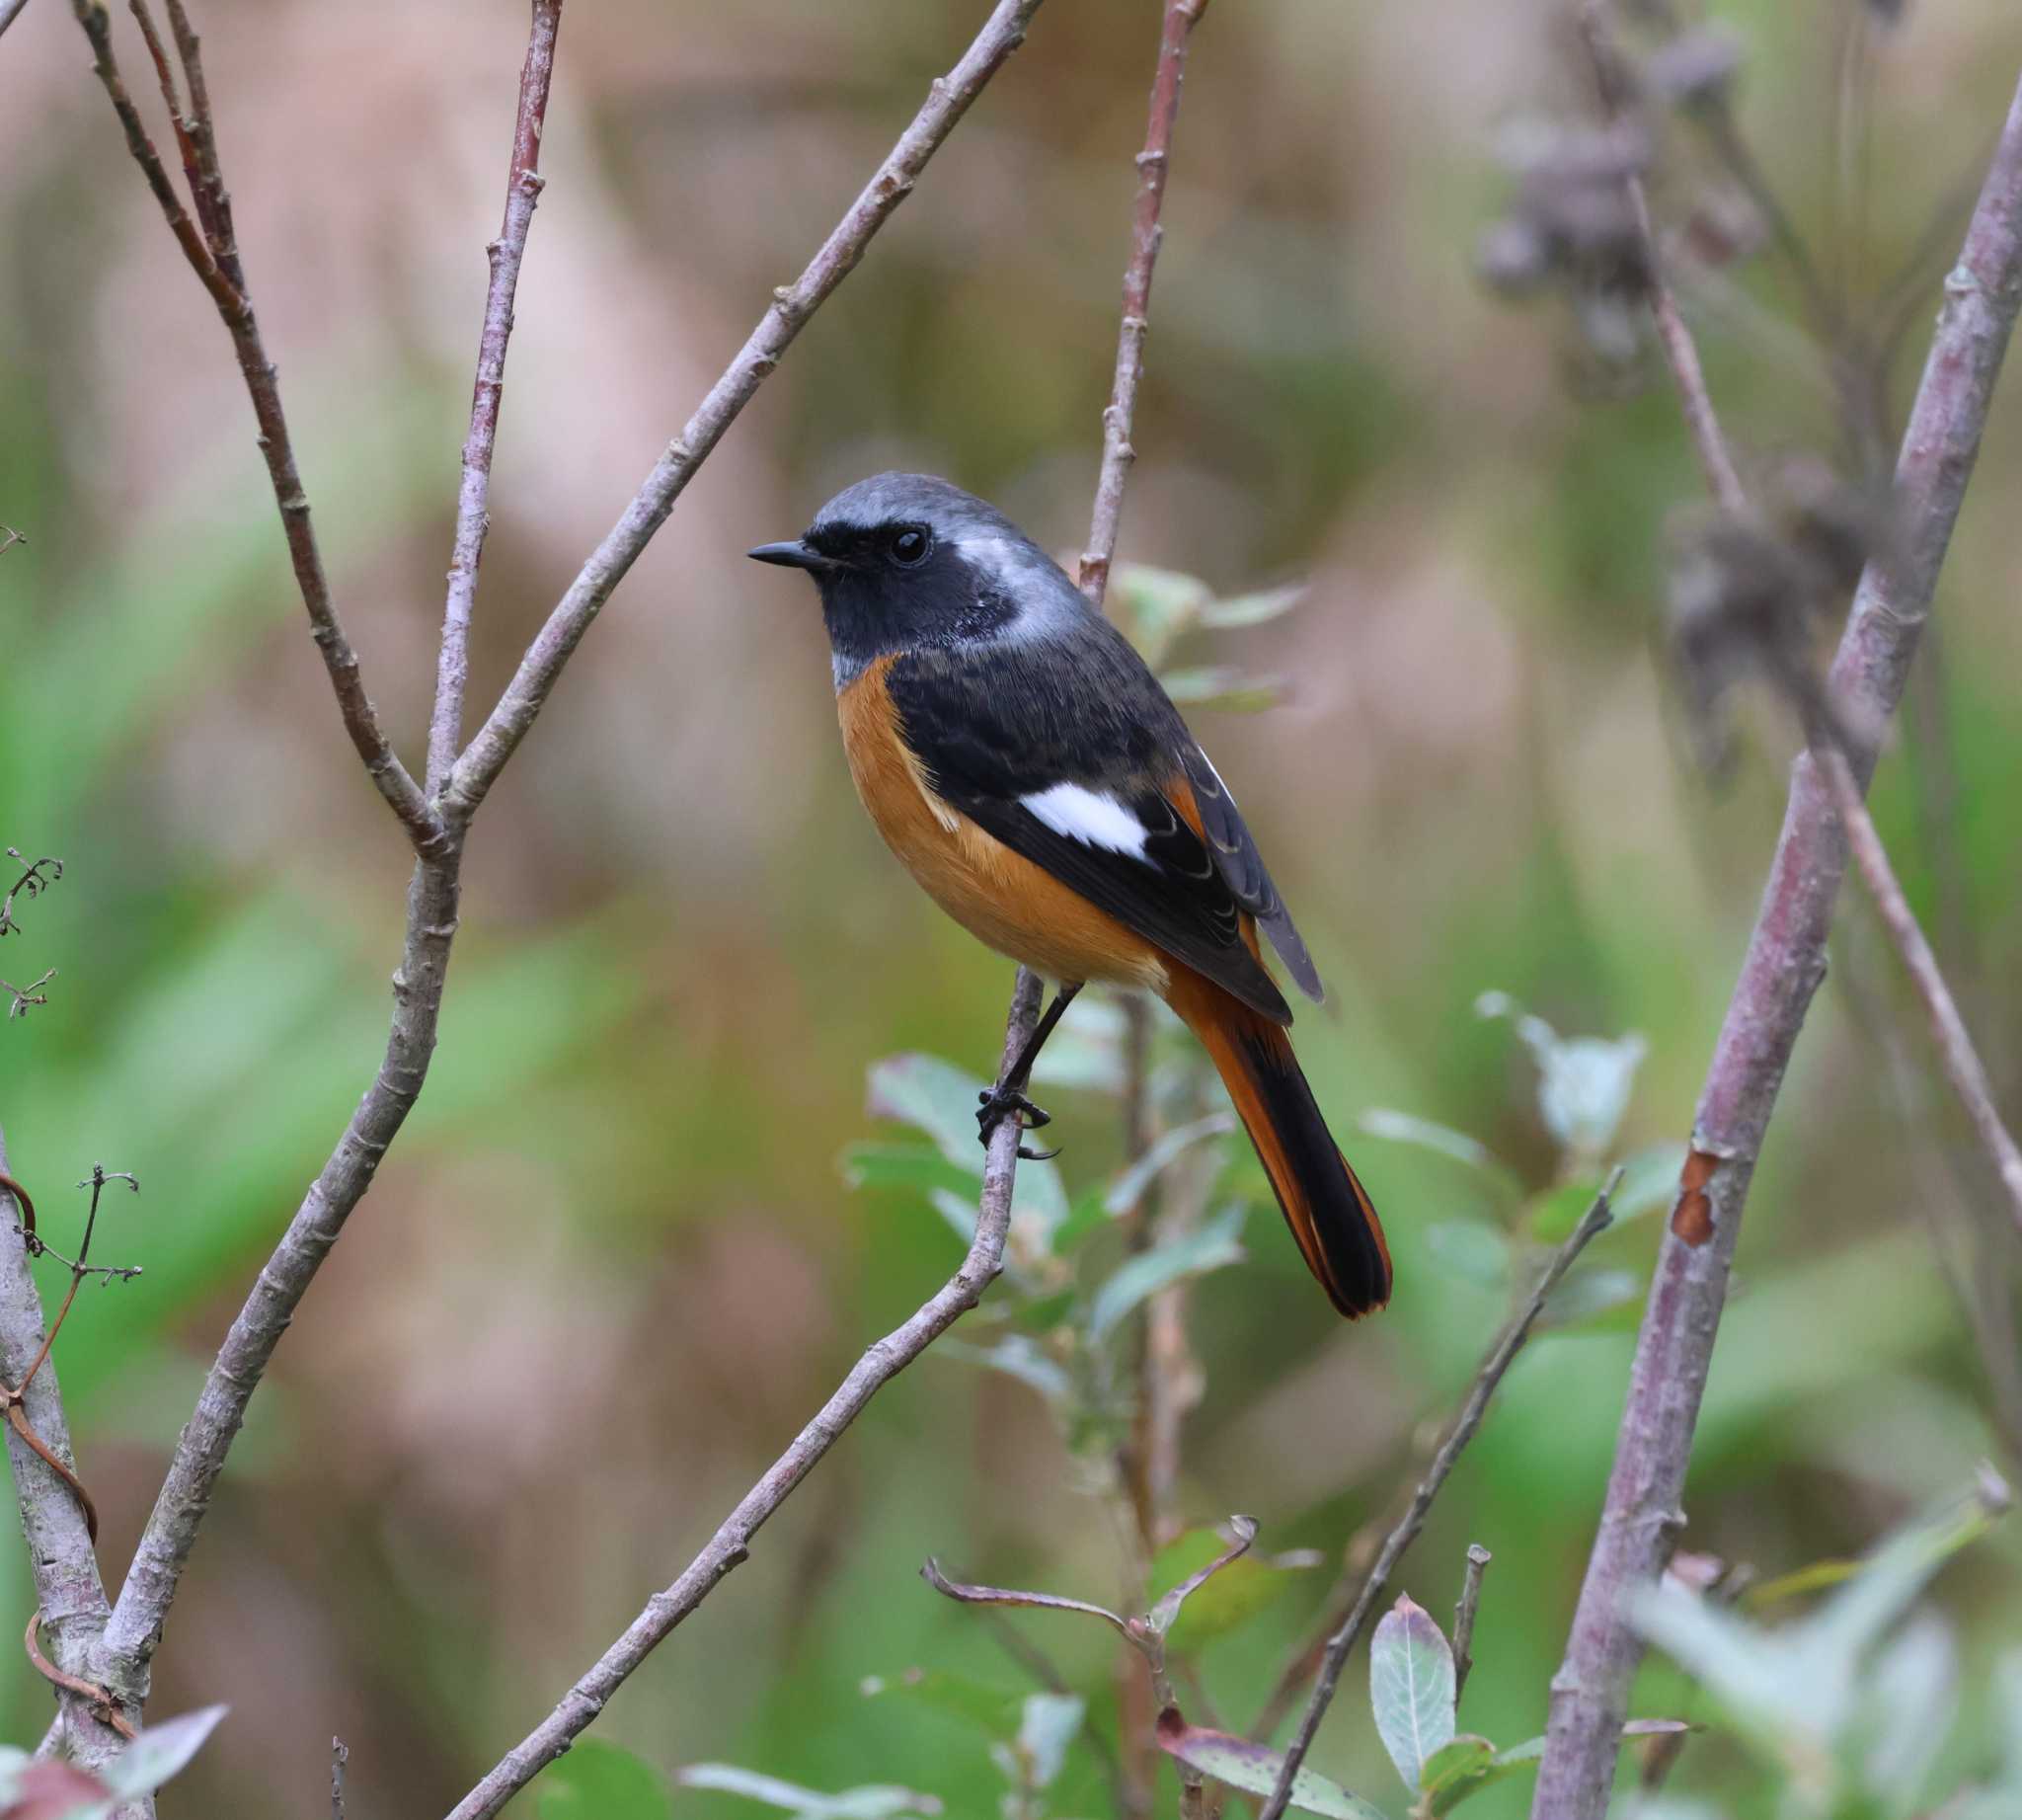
(905, 562)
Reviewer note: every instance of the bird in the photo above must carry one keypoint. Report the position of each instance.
(1026, 766)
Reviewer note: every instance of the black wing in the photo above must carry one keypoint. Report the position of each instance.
(998, 725)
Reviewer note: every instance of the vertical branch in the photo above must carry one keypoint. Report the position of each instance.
(1782, 968)
(1181, 15)
(523, 183)
(1148, 1463)
(61, 1558)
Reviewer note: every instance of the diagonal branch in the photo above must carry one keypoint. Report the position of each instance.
(1784, 964)
(731, 1544)
(214, 259)
(1467, 1425)
(791, 305)
(523, 184)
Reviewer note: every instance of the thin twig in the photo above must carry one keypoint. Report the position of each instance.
(340, 1755)
(731, 1542)
(793, 304)
(215, 265)
(1465, 1425)
(524, 184)
(1963, 1067)
(1680, 352)
(1464, 1614)
(1781, 971)
(23, 997)
(31, 885)
(1181, 15)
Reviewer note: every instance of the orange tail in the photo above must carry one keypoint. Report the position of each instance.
(1324, 1204)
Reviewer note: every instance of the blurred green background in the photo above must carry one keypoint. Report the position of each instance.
(613, 1261)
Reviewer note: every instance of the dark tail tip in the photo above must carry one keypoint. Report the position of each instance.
(1327, 1208)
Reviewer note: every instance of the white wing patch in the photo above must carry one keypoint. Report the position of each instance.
(1094, 821)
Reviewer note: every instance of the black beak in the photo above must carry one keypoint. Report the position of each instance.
(794, 555)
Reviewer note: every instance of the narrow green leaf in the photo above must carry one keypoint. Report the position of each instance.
(600, 1781)
(1128, 1187)
(1406, 1128)
(1208, 1247)
(1252, 609)
(1411, 1688)
(874, 1801)
(1222, 687)
(1254, 1769)
(910, 1165)
(1019, 1356)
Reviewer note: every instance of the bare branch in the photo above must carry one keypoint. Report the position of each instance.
(949, 99)
(731, 1544)
(1181, 15)
(1785, 961)
(524, 184)
(215, 263)
(1465, 1425)
(30, 884)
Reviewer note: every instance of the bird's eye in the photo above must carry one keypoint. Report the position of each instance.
(909, 547)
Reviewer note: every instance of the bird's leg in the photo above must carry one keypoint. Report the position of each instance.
(1007, 1099)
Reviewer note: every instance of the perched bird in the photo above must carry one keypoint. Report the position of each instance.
(1020, 758)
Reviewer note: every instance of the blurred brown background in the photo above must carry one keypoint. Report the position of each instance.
(612, 1264)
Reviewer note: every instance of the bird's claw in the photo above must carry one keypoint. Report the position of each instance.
(997, 1104)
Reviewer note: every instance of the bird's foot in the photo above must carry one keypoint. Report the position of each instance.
(997, 1104)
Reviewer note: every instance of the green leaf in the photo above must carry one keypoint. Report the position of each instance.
(932, 1096)
(994, 1712)
(1551, 1214)
(1411, 1688)
(1405, 1128)
(1254, 1769)
(1129, 1188)
(1086, 1216)
(1252, 609)
(1225, 689)
(1228, 1600)
(1595, 1301)
(1208, 1247)
(910, 1165)
(1909, 1701)
(159, 1753)
(1019, 1356)
(1155, 605)
(1650, 1182)
(1472, 1249)
(873, 1801)
(1465, 1767)
(600, 1781)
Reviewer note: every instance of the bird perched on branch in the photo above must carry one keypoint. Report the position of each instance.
(1020, 758)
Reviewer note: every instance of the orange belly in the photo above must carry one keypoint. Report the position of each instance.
(999, 896)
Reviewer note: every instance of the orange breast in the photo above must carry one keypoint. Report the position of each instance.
(999, 896)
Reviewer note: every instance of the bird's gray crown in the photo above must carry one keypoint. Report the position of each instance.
(919, 499)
